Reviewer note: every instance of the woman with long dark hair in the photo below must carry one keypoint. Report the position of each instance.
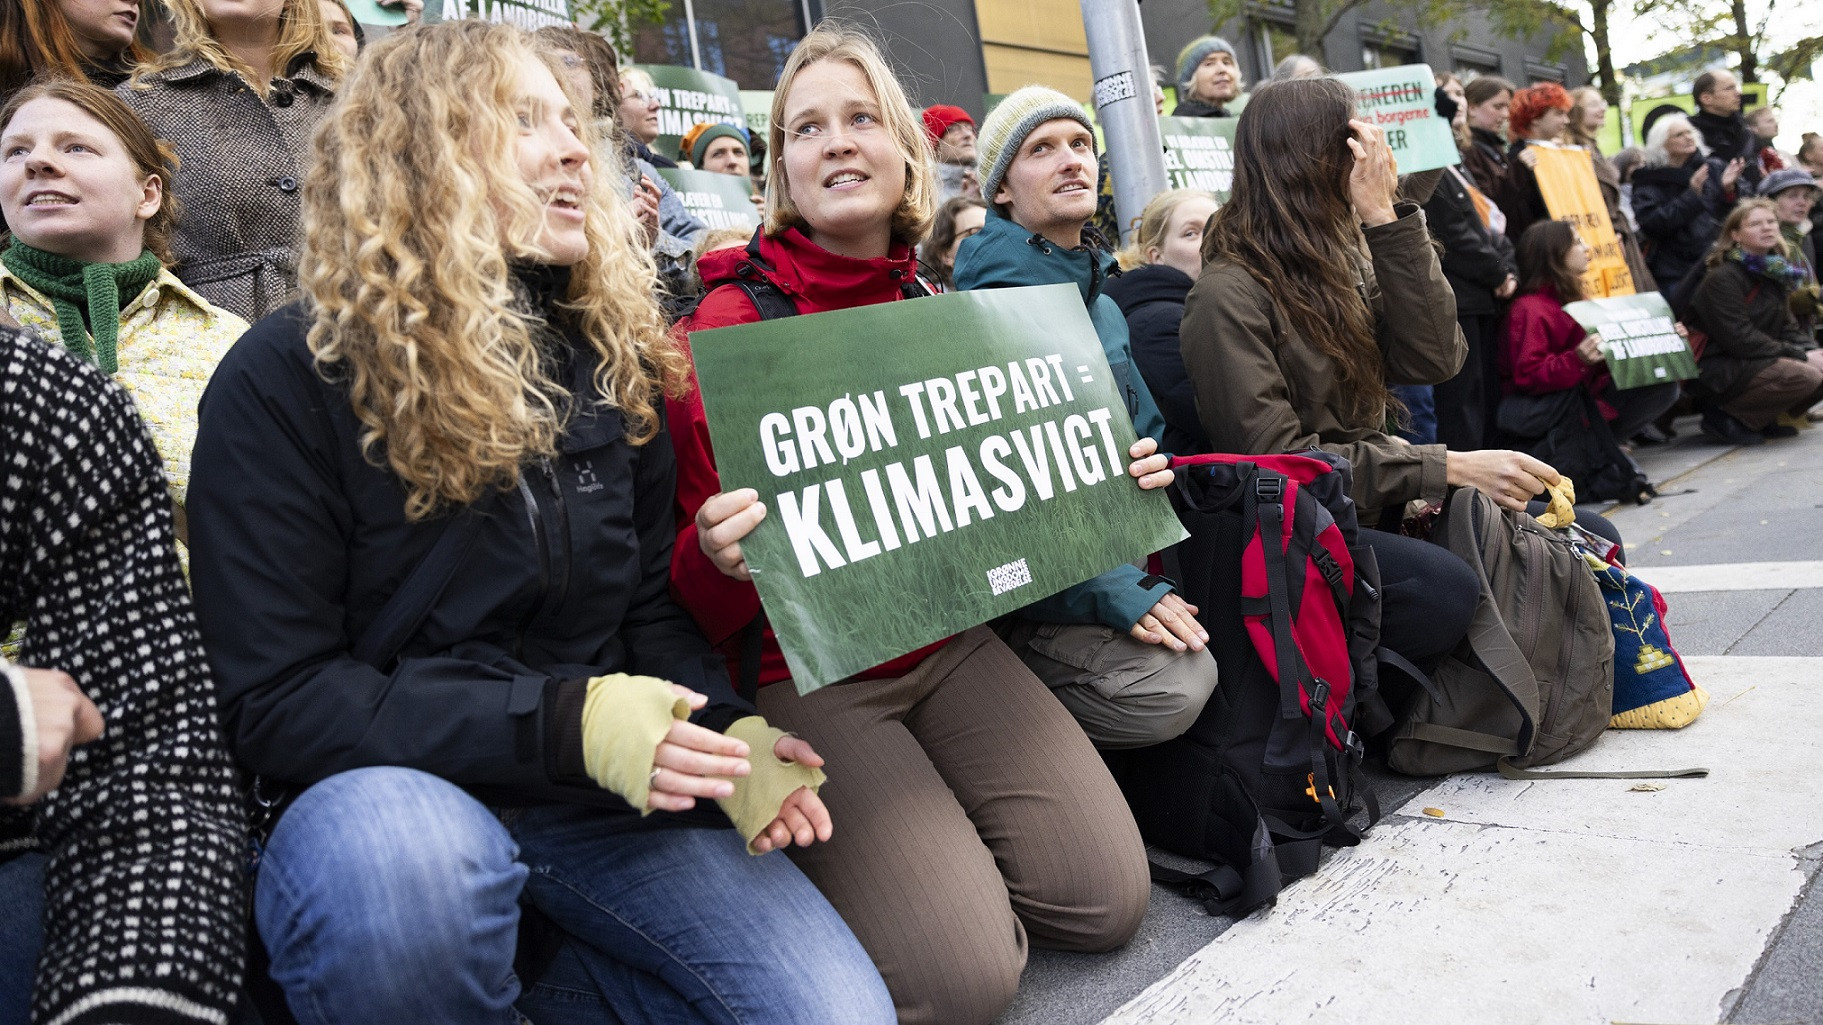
(1290, 339)
(1547, 364)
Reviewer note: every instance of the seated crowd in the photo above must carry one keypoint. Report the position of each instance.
(402, 645)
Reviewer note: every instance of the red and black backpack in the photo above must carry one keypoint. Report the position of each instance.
(1270, 771)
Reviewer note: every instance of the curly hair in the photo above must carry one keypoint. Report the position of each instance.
(1532, 101)
(302, 33)
(1289, 224)
(150, 155)
(414, 187)
(836, 42)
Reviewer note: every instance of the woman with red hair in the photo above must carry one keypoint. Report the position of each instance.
(1539, 114)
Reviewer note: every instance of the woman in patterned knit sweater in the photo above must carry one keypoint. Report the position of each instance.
(82, 182)
(127, 848)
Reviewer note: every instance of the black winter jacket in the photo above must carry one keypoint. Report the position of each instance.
(1198, 108)
(1750, 326)
(1475, 262)
(1677, 224)
(1727, 138)
(1152, 299)
(297, 542)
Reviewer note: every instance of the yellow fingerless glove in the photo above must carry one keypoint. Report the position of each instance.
(624, 718)
(1562, 510)
(756, 798)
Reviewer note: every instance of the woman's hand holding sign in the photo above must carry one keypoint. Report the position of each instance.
(722, 522)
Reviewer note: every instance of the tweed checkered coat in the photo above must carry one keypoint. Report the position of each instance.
(144, 910)
(244, 158)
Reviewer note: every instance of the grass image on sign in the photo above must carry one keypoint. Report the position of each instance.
(927, 465)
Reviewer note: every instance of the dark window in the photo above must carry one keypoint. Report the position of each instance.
(746, 40)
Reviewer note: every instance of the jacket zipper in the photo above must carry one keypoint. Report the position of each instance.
(561, 532)
(533, 515)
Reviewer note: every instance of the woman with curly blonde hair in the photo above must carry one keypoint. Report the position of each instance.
(238, 96)
(432, 524)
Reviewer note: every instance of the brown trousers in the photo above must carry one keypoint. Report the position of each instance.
(1788, 386)
(970, 813)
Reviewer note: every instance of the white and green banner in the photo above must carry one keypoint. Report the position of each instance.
(1403, 101)
(1199, 153)
(718, 200)
(926, 465)
(687, 98)
(1638, 337)
(756, 106)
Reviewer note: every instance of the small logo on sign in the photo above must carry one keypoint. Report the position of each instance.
(1004, 578)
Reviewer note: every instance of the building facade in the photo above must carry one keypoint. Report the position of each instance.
(958, 51)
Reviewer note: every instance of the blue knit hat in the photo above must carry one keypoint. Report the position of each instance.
(1006, 127)
(1191, 56)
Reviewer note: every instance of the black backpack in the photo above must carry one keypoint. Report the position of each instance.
(1258, 783)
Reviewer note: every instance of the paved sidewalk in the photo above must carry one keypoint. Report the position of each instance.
(1569, 900)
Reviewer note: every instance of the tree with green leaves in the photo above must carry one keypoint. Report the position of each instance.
(619, 19)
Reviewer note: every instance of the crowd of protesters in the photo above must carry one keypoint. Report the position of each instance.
(401, 645)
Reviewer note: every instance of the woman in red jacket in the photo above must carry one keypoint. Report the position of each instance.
(975, 813)
(1548, 353)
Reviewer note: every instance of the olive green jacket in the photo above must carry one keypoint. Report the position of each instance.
(1262, 388)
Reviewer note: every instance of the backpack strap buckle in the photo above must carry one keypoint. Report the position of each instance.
(1268, 487)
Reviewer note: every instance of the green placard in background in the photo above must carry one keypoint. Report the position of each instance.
(927, 465)
(718, 200)
(1199, 153)
(1403, 101)
(687, 98)
(1639, 338)
(369, 12)
(756, 106)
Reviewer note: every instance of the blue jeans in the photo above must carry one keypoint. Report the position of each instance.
(391, 895)
(22, 897)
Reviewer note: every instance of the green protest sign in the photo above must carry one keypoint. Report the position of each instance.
(1639, 338)
(687, 98)
(1402, 100)
(1199, 153)
(718, 200)
(756, 106)
(927, 465)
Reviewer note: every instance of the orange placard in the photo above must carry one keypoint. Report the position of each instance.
(1566, 177)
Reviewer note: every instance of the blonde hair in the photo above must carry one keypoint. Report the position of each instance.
(1724, 239)
(302, 31)
(1155, 223)
(830, 41)
(1579, 105)
(414, 185)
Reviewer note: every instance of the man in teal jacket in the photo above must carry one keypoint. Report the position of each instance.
(1122, 651)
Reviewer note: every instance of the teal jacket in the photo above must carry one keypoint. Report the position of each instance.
(1005, 255)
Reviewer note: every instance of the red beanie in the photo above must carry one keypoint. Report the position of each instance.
(938, 117)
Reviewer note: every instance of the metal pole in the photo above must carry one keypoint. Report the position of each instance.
(696, 53)
(1123, 104)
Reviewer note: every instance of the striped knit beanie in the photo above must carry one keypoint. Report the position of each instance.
(696, 141)
(1190, 56)
(1005, 129)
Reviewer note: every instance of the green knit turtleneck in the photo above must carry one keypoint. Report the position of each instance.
(74, 288)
